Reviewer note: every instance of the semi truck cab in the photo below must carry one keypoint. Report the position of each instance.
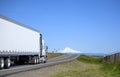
(44, 52)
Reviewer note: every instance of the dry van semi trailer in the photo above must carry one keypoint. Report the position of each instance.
(20, 44)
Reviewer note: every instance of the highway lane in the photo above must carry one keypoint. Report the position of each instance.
(52, 61)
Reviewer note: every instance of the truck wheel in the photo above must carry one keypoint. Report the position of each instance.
(44, 61)
(34, 60)
(7, 63)
(1, 63)
(37, 60)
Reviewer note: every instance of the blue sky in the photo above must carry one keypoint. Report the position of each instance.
(85, 25)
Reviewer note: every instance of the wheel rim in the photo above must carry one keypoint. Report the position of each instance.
(8, 63)
(35, 60)
(1, 63)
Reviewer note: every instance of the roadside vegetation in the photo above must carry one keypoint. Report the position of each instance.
(90, 59)
(89, 66)
(110, 69)
(51, 55)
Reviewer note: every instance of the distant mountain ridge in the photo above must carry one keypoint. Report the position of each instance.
(68, 50)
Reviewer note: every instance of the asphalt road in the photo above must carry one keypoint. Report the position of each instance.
(51, 61)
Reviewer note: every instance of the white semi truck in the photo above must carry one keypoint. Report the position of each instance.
(20, 44)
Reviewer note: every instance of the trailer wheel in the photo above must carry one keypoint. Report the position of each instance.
(34, 60)
(1, 63)
(38, 60)
(7, 63)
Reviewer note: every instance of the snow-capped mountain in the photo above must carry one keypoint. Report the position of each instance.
(69, 50)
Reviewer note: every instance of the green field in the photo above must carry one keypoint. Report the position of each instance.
(89, 66)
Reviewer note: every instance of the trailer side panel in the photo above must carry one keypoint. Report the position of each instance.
(18, 39)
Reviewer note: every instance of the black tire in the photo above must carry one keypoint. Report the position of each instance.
(7, 63)
(45, 57)
(37, 60)
(1, 63)
(34, 60)
(44, 61)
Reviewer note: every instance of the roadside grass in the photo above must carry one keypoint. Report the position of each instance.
(90, 66)
(77, 69)
(90, 59)
(111, 69)
(51, 55)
